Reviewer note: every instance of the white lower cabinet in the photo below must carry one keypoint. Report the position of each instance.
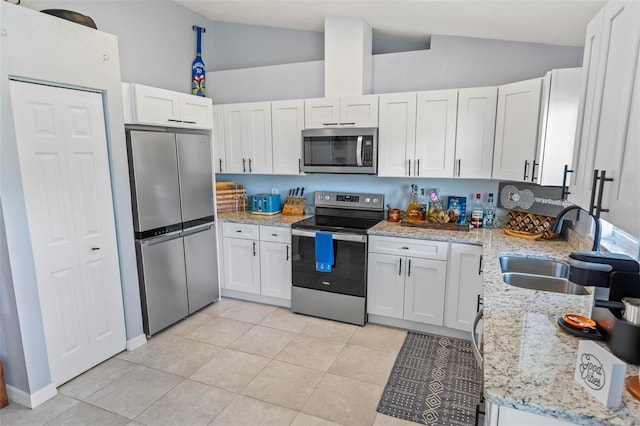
(407, 278)
(428, 282)
(464, 286)
(257, 261)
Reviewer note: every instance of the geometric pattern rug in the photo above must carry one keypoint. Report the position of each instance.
(434, 381)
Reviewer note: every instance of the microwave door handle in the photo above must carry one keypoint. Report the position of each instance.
(359, 151)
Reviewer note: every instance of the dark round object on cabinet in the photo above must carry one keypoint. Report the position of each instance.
(72, 16)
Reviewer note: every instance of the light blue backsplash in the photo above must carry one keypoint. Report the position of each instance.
(396, 190)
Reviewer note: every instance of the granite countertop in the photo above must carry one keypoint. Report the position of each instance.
(528, 360)
(259, 219)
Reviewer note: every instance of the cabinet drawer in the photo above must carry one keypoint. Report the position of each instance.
(240, 230)
(437, 250)
(276, 234)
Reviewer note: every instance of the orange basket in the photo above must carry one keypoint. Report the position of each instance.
(529, 226)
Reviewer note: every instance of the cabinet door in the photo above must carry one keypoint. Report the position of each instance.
(396, 134)
(475, 132)
(436, 133)
(464, 286)
(583, 151)
(233, 136)
(287, 118)
(257, 144)
(219, 160)
(516, 130)
(558, 118)
(424, 290)
(275, 277)
(156, 106)
(385, 285)
(242, 265)
(617, 139)
(195, 111)
(321, 112)
(360, 111)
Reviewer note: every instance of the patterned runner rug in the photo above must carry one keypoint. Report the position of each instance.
(435, 381)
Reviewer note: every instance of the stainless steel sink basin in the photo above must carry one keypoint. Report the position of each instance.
(526, 265)
(544, 283)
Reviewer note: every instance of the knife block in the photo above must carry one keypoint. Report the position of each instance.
(294, 206)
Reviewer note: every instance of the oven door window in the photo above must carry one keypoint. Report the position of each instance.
(334, 151)
(347, 276)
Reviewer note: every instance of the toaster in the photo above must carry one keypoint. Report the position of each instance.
(265, 203)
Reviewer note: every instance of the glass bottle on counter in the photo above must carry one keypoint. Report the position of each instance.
(413, 209)
(477, 212)
(490, 213)
(424, 204)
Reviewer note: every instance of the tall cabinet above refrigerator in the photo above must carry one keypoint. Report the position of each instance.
(172, 191)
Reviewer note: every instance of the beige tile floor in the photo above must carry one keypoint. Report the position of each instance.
(234, 363)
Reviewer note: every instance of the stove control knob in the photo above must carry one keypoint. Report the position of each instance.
(367, 200)
(327, 197)
(376, 201)
(320, 197)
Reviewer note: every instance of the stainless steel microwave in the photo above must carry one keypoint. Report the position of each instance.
(340, 150)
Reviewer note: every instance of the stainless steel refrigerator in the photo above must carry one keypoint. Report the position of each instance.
(173, 218)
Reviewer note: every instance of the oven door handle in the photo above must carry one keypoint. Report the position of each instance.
(336, 236)
(359, 151)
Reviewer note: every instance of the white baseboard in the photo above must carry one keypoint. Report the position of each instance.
(136, 342)
(34, 399)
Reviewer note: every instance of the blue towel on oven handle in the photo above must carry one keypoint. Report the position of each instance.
(324, 251)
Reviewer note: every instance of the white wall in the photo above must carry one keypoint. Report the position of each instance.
(451, 62)
(69, 55)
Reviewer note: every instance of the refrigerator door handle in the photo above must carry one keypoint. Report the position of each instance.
(197, 229)
(161, 238)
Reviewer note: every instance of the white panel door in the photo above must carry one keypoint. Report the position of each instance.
(617, 92)
(195, 111)
(464, 286)
(219, 162)
(287, 121)
(424, 290)
(396, 134)
(65, 174)
(517, 130)
(275, 266)
(584, 148)
(156, 106)
(385, 286)
(359, 111)
(256, 142)
(233, 136)
(242, 265)
(436, 133)
(475, 132)
(321, 112)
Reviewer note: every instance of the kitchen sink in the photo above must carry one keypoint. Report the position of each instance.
(526, 265)
(544, 283)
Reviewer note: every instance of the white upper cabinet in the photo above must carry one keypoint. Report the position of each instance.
(155, 106)
(612, 145)
(581, 177)
(475, 132)
(359, 111)
(396, 133)
(219, 160)
(247, 138)
(557, 132)
(435, 133)
(517, 130)
(287, 120)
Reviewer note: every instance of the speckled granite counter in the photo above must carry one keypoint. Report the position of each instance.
(259, 219)
(528, 361)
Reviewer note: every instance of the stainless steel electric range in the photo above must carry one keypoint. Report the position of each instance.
(341, 293)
